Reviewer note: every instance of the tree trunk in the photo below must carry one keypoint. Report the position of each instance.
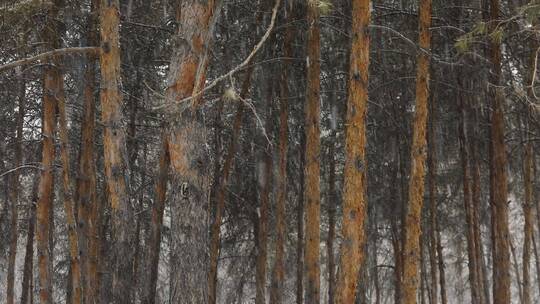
(87, 203)
(28, 273)
(15, 195)
(529, 218)
(498, 180)
(418, 158)
(354, 202)
(189, 244)
(332, 203)
(467, 200)
(300, 223)
(154, 242)
(52, 87)
(432, 189)
(312, 168)
(74, 266)
(265, 182)
(278, 271)
(515, 265)
(476, 201)
(220, 194)
(440, 258)
(115, 157)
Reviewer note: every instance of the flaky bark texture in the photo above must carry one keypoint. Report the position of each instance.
(115, 156)
(354, 201)
(52, 89)
(411, 248)
(189, 252)
(313, 147)
(498, 179)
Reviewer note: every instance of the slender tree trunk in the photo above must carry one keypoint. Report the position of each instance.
(536, 259)
(515, 265)
(154, 242)
(115, 157)
(312, 169)
(220, 194)
(483, 284)
(300, 223)
(86, 183)
(14, 194)
(354, 202)
(88, 205)
(432, 189)
(28, 273)
(278, 271)
(418, 158)
(529, 218)
(69, 208)
(52, 87)
(467, 201)
(332, 202)
(265, 180)
(498, 180)
(189, 250)
(440, 258)
(423, 285)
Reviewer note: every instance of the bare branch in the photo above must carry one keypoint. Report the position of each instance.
(50, 55)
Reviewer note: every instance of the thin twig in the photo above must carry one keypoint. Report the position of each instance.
(18, 168)
(238, 68)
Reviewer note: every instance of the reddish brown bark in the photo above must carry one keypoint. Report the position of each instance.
(52, 87)
(88, 208)
(354, 202)
(115, 156)
(189, 258)
(418, 157)
(312, 168)
(498, 179)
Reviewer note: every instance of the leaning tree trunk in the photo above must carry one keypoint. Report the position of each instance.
(52, 87)
(189, 244)
(312, 168)
(498, 179)
(354, 201)
(418, 158)
(115, 156)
